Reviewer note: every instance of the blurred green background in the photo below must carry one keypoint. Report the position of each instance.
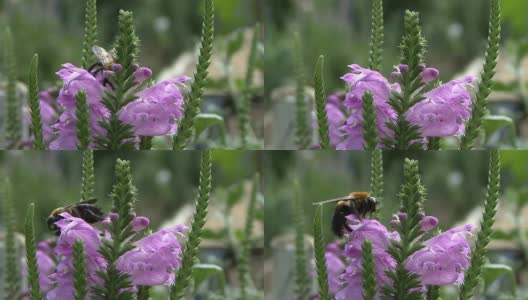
(456, 32)
(54, 28)
(166, 181)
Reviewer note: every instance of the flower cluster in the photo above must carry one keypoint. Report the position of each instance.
(155, 112)
(442, 113)
(441, 261)
(152, 261)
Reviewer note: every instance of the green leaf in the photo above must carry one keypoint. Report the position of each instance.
(491, 272)
(204, 121)
(201, 272)
(492, 123)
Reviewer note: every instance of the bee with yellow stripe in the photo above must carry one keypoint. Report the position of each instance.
(86, 210)
(359, 204)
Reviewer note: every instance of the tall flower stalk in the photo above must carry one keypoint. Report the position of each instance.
(302, 283)
(13, 117)
(412, 55)
(123, 200)
(190, 253)
(34, 106)
(80, 276)
(320, 260)
(486, 83)
(376, 178)
(127, 51)
(376, 37)
(245, 103)
(302, 131)
(368, 272)
(406, 282)
(478, 255)
(31, 255)
(90, 34)
(83, 121)
(320, 105)
(192, 105)
(88, 176)
(243, 264)
(12, 270)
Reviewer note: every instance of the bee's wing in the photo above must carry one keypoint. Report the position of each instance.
(333, 200)
(89, 201)
(99, 52)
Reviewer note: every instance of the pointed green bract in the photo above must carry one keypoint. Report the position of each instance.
(376, 37)
(320, 259)
(370, 133)
(368, 272)
(34, 106)
(412, 54)
(243, 264)
(406, 284)
(376, 178)
(118, 134)
(14, 113)
(320, 105)
(31, 256)
(12, 269)
(302, 282)
(190, 254)
(88, 176)
(80, 275)
(302, 131)
(123, 200)
(433, 293)
(83, 121)
(478, 255)
(145, 143)
(144, 293)
(434, 143)
(245, 103)
(485, 85)
(192, 105)
(90, 34)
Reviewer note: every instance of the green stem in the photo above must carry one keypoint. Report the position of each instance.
(245, 103)
(192, 106)
(190, 253)
(486, 83)
(320, 259)
(370, 133)
(376, 37)
(368, 272)
(478, 255)
(246, 243)
(302, 282)
(320, 105)
(34, 106)
(83, 121)
(31, 255)
(90, 34)
(80, 276)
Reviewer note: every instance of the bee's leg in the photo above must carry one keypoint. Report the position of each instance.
(94, 66)
(107, 82)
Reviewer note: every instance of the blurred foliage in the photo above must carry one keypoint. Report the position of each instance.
(339, 29)
(53, 28)
(165, 180)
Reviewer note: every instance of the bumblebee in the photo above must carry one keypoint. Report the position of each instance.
(360, 204)
(86, 210)
(105, 60)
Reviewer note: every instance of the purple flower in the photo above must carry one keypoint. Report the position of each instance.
(156, 111)
(443, 112)
(444, 258)
(154, 259)
(442, 261)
